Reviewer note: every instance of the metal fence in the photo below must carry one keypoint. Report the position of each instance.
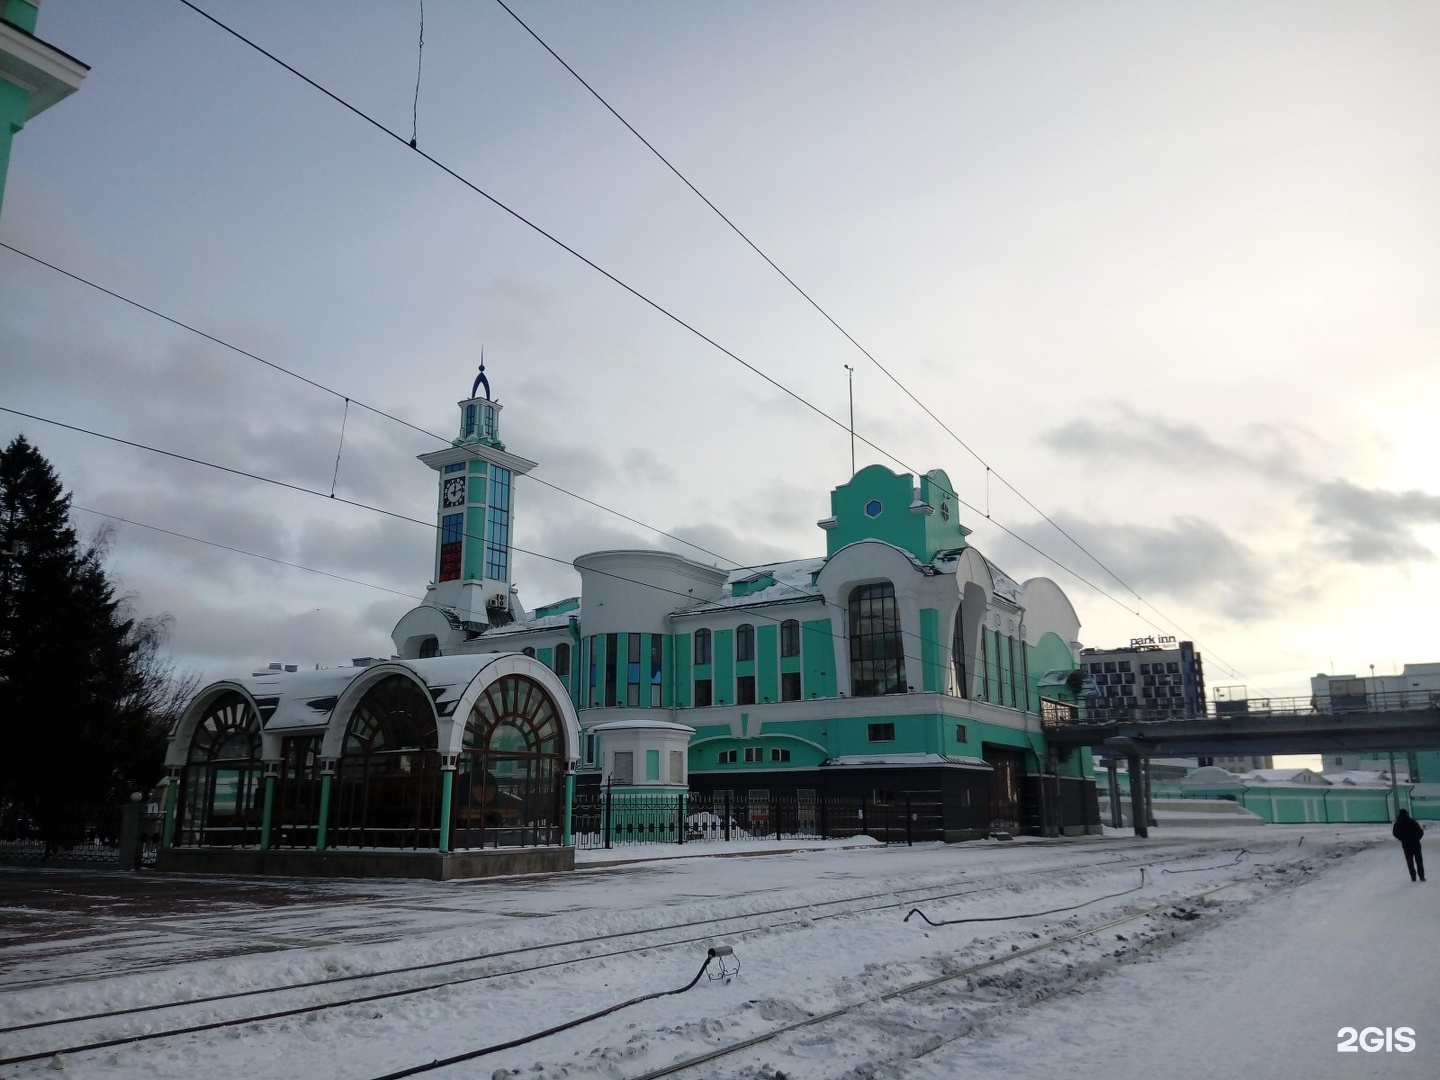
(609, 819)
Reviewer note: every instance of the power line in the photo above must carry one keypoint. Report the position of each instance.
(242, 551)
(414, 427)
(659, 308)
(750, 609)
(828, 318)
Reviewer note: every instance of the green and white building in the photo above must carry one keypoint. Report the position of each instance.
(34, 75)
(899, 661)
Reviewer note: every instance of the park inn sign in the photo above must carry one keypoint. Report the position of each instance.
(1152, 642)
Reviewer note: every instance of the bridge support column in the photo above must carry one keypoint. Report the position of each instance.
(1112, 767)
(1139, 811)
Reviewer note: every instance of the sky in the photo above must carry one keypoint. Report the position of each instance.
(1165, 274)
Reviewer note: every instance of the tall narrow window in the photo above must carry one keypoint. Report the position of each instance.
(612, 660)
(702, 647)
(745, 642)
(877, 652)
(702, 693)
(624, 771)
(452, 535)
(790, 637)
(656, 669)
(790, 686)
(957, 656)
(497, 526)
(632, 671)
(562, 659)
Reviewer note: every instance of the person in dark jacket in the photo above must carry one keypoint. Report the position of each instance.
(1408, 831)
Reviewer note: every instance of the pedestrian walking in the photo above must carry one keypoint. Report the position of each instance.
(1408, 831)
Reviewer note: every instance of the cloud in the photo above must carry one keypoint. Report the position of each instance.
(1190, 559)
(1270, 450)
(1373, 526)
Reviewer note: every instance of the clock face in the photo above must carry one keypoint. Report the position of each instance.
(455, 491)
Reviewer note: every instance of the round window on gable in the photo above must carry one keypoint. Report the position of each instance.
(873, 508)
(944, 511)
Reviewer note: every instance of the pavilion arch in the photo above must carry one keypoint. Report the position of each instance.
(216, 760)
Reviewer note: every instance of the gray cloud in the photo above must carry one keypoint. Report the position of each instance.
(1369, 525)
(1132, 436)
(1189, 559)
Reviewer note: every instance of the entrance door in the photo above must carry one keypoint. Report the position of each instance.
(1005, 781)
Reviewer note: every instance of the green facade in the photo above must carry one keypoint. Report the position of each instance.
(877, 505)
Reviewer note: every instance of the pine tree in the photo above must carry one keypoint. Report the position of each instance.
(81, 683)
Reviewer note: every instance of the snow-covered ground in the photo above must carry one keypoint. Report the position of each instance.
(1244, 954)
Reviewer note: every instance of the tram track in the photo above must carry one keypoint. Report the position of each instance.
(977, 1012)
(783, 917)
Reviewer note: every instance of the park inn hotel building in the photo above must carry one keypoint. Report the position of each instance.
(900, 660)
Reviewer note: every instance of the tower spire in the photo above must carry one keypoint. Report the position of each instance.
(480, 379)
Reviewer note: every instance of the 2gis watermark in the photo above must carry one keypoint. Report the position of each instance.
(1373, 1040)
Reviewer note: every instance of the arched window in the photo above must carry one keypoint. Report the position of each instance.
(790, 637)
(508, 783)
(702, 647)
(958, 657)
(562, 658)
(877, 652)
(221, 782)
(745, 642)
(388, 782)
(429, 647)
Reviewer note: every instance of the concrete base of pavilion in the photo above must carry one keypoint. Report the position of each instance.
(367, 862)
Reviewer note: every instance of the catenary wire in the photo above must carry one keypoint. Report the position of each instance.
(659, 308)
(831, 320)
(757, 612)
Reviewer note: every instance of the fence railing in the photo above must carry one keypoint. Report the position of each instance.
(112, 836)
(610, 819)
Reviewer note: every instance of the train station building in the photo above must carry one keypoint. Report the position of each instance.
(900, 661)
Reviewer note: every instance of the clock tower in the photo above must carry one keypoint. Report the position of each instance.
(476, 478)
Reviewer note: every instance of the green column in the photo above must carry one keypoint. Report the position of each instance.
(267, 810)
(447, 793)
(326, 776)
(565, 834)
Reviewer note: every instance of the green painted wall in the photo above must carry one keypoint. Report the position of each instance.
(818, 649)
(921, 534)
(723, 670)
(1050, 653)
(20, 13)
(767, 661)
(473, 568)
(12, 119)
(684, 672)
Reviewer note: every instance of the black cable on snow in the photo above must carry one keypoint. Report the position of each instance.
(1028, 914)
(1195, 870)
(470, 1055)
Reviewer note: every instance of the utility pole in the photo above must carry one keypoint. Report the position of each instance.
(851, 378)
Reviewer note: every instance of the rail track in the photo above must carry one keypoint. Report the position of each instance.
(116, 1027)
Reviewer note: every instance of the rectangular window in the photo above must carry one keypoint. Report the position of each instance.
(745, 643)
(1145, 670)
(677, 766)
(1109, 666)
(1125, 666)
(632, 670)
(652, 765)
(727, 757)
(612, 662)
(702, 693)
(459, 466)
(882, 733)
(754, 754)
(497, 526)
(589, 749)
(624, 771)
(702, 647)
(745, 690)
(790, 686)
(655, 695)
(779, 755)
(960, 735)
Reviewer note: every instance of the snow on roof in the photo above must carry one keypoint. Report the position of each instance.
(1358, 778)
(1006, 587)
(523, 626)
(857, 760)
(792, 582)
(1290, 776)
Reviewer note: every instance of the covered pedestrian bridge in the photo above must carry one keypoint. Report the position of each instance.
(453, 766)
